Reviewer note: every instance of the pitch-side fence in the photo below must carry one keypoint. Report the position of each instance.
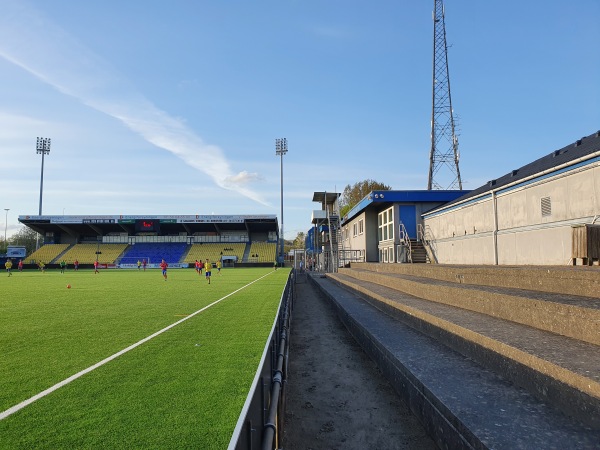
(260, 424)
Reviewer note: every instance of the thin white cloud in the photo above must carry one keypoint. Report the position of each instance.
(32, 42)
(244, 177)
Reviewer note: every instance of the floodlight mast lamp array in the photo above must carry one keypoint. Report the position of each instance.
(43, 147)
(280, 150)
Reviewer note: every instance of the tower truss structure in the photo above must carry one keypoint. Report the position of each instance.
(444, 154)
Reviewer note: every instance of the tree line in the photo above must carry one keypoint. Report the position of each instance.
(25, 237)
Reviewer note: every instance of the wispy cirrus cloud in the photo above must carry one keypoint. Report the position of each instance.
(32, 42)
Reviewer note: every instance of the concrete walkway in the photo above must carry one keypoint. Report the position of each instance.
(336, 396)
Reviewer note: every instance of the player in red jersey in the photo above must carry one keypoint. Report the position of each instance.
(164, 266)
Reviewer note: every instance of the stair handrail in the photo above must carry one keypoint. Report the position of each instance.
(422, 233)
(404, 239)
(333, 253)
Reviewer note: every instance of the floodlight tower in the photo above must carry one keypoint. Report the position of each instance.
(5, 228)
(280, 150)
(444, 142)
(43, 147)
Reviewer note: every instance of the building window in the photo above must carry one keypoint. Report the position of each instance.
(354, 230)
(386, 224)
(361, 226)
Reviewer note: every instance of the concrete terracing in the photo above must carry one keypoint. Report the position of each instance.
(581, 280)
(487, 357)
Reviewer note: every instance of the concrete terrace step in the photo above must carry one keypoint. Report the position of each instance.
(561, 371)
(569, 315)
(584, 281)
(461, 403)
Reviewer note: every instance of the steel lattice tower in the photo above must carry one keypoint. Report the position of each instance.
(444, 142)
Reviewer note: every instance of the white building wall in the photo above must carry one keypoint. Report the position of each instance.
(465, 250)
(465, 235)
(359, 241)
(547, 246)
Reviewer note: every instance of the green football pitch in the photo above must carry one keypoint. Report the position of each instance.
(125, 359)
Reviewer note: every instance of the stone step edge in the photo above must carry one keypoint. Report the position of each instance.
(581, 387)
(503, 306)
(539, 278)
(444, 422)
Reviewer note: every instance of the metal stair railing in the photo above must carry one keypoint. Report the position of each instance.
(334, 229)
(405, 240)
(422, 235)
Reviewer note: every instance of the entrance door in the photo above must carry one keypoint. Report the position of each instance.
(408, 216)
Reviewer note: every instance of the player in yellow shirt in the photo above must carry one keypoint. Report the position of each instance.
(207, 270)
(218, 264)
(8, 265)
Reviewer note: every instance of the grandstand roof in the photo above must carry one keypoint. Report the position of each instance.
(165, 225)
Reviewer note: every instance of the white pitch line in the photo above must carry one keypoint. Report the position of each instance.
(29, 401)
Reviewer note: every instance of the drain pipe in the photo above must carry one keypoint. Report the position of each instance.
(270, 427)
(495, 206)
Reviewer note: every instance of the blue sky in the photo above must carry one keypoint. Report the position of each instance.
(158, 107)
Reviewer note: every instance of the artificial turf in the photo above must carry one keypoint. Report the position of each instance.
(182, 389)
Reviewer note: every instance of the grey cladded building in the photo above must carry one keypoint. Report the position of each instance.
(532, 215)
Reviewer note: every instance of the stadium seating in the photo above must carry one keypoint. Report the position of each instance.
(213, 252)
(86, 253)
(153, 253)
(262, 252)
(47, 253)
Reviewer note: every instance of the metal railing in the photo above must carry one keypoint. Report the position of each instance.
(261, 420)
(424, 235)
(405, 240)
(349, 256)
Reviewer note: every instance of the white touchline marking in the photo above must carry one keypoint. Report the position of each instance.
(29, 401)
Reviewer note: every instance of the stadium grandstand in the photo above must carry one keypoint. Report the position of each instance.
(122, 241)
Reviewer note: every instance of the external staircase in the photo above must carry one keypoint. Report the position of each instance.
(418, 252)
(486, 357)
(335, 242)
